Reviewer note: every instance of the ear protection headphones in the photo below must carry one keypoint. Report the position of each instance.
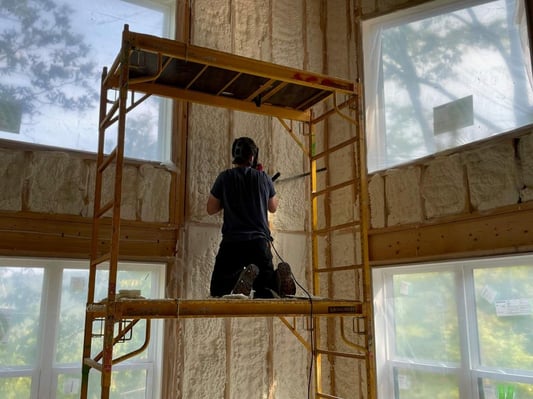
(242, 149)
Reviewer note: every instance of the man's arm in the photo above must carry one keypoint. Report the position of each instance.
(273, 204)
(213, 205)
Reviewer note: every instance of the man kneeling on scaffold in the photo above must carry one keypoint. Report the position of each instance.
(243, 264)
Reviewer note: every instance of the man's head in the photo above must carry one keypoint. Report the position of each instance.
(242, 151)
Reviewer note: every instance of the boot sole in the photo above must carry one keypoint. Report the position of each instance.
(246, 280)
(286, 282)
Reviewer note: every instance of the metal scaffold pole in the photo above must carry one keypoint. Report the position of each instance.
(109, 254)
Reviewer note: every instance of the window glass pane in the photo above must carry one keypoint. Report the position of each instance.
(412, 384)
(69, 341)
(129, 284)
(504, 310)
(15, 388)
(29, 319)
(147, 135)
(52, 53)
(134, 337)
(68, 386)
(425, 317)
(445, 80)
(129, 384)
(72, 314)
(130, 281)
(420, 311)
(20, 304)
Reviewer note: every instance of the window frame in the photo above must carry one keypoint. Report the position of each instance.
(45, 371)
(164, 112)
(374, 84)
(470, 369)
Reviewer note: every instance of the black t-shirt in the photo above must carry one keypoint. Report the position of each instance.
(243, 193)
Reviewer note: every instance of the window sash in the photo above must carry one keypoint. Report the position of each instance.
(469, 371)
(45, 112)
(413, 136)
(45, 372)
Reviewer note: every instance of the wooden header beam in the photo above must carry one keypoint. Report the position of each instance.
(501, 232)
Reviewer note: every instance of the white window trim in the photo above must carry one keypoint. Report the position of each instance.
(470, 369)
(165, 108)
(371, 32)
(45, 374)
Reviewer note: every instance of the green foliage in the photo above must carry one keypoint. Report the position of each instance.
(21, 296)
(424, 310)
(20, 301)
(424, 385)
(505, 341)
(15, 388)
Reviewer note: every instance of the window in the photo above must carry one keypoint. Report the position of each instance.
(455, 330)
(442, 75)
(52, 53)
(42, 316)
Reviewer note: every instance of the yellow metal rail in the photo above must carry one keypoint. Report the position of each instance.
(191, 308)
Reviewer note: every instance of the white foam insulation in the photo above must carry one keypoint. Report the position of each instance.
(443, 187)
(292, 247)
(287, 33)
(255, 357)
(203, 340)
(376, 196)
(492, 173)
(525, 149)
(252, 19)
(57, 183)
(145, 191)
(484, 177)
(12, 166)
(403, 201)
(208, 154)
(154, 187)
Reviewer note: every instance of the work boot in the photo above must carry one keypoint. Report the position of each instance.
(246, 280)
(285, 280)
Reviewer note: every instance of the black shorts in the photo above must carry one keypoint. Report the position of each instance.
(233, 256)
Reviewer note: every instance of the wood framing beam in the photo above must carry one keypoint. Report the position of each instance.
(503, 232)
(35, 234)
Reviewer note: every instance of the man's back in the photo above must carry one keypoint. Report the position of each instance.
(244, 195)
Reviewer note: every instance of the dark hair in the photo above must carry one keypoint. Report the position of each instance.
(242, 149)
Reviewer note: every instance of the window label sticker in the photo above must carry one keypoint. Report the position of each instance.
(453, 115)
(488, 294)
(404, 382)
(513, 307)
(71, 386)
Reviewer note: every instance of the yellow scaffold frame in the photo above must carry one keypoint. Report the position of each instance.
(155, 66)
